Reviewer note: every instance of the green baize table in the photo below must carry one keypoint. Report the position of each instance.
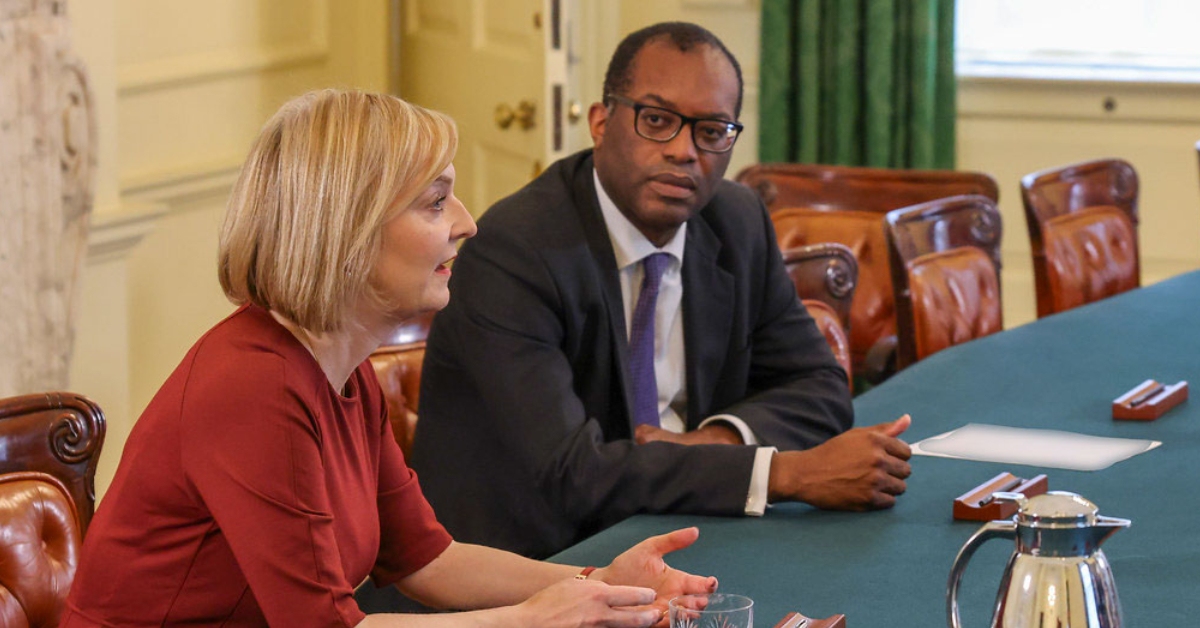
(889, 568)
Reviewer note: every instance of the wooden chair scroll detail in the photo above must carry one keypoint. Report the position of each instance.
(825, 276)
(51, 443)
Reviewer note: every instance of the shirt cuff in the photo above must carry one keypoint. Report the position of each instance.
(760, 476)
(756, 500)
(747, 434)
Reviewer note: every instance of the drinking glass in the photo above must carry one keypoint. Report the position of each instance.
(715, 610)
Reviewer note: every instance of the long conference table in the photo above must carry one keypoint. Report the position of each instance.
(889, 568)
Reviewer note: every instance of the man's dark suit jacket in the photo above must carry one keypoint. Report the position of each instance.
(524, 437)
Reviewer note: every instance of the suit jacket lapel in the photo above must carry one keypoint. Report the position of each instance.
(596, 233)
(707, 317)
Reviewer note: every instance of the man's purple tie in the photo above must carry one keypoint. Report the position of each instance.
(641, 342)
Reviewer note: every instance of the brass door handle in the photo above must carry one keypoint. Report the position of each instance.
(525, 115)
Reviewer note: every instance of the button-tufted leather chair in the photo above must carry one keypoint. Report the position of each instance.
(813, 203)
(49, 446)
(1082, 222)
(825, 275)
(872, 326)
(398, 368)
(945, 260)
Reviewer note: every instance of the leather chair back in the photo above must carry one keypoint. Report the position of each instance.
(1089, 255)
(872, 319)
(945, 259)
(51, 444)
(955, 298)
(846, 204)
(398, 368)
(825, 276)
(879, 190)
(1100, 246)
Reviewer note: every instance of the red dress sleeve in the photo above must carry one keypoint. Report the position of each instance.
(410, 535)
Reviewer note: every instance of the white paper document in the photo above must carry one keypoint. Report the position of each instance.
(1039, 448)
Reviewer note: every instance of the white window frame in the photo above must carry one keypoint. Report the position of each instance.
(1148, 41)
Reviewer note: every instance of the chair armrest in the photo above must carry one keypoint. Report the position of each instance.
(880, 362)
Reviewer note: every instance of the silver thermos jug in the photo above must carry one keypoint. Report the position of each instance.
(1057, 577)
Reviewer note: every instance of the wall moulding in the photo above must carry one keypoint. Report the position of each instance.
(717, 4)
(179, 188)
(152, 75)
(167, 73)
(112, 235)
(1078, 100)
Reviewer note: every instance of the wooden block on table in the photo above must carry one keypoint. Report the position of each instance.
(1149, 400)
(796, 620)
(978, 504)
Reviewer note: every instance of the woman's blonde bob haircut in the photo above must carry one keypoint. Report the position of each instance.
(302, 231)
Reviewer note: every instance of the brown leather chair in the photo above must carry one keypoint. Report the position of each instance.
(1082, 222)
(51, 443)
(880, 190)
(813, 203)
(825, 275)
(398, 368)
(872, 325)
(945, 260)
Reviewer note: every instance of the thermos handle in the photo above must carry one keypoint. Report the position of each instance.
(990, 530)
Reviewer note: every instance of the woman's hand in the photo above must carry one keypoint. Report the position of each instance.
(573, 603)
(643, 565)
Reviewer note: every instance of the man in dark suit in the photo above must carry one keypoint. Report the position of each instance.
(548, 412)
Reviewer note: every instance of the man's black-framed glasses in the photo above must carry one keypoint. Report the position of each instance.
(662, 125)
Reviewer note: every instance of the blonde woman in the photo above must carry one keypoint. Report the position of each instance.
(262, 482)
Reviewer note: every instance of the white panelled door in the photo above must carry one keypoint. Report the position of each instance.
(499, 68)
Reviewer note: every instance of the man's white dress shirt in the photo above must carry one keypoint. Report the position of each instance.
(630, 247)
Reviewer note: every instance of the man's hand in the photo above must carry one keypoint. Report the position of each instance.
(643, 566)
(715, 433)
(861, 469)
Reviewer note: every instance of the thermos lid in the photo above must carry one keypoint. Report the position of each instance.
(1057, 509)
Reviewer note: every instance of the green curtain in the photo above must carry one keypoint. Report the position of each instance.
(858, 82)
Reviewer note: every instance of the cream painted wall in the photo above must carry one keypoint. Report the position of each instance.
(181, 89)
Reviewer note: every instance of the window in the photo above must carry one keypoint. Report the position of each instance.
(1123, 40)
